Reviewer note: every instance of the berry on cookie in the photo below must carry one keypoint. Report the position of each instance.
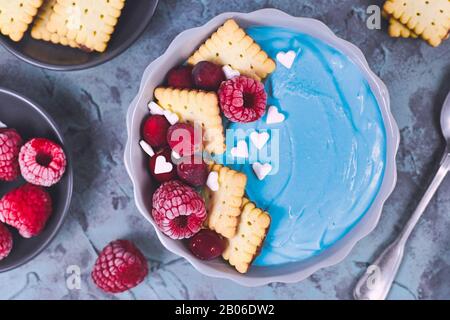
(178, 210)
(27, 209)
(180, 77)
(208, 76)
(10, 143)
(243, 99)
(119, 267)
(42, 162)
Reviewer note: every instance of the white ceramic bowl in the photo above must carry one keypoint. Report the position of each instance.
(135, 160)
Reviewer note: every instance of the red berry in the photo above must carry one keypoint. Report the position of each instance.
(184, 139)
(119, 267)
(6, 242)
(10, 142)
(42, 162)
(27, 209)
(162, 167)
(178, 210)
(207, 245)
(154, 130)
(180, 77)
(193, 170)
(243, 99)
(208, 76)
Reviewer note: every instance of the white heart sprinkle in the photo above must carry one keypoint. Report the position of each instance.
(162, 165)
(286, 58)
(171, 117)
(261, 170)
(259, 139)
(175, 155)
(213, 181)
(241, 150)
(230, 73)
(2, 125)
(155, 108)
(147, 148)
(274, 116)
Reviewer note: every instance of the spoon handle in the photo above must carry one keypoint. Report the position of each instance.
(378, 278)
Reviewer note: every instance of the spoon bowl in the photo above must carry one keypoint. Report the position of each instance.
(445, 119)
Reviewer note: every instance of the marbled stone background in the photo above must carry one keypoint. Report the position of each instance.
(90, 106)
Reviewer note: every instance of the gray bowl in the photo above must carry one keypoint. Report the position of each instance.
(179, 50)
(135, 17)
(31, 121)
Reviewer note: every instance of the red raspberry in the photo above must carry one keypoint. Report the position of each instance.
(165, 175)
(193, 170)
(178, 210)
(27, 209)
(243, 99)
(10, 142)
(119, 267)
(180, 77)
(6, 242)
(42, 162)
(184, 139)
(154, 130)
(208, 76)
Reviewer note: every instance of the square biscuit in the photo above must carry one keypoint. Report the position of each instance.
(16, 16)
(39, 30)
(429, 19)
(397, 29)
(230, 45)
(199, 107)
(90, 23)
(224, 205)
(245, 246)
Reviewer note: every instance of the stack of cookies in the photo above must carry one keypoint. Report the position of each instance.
(428, 19)
(83, 24)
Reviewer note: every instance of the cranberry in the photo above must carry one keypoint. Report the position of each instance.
(154, 130)
(207, 245)
(193, 170)
(208, 76)
(184, 139)
(180, 77)
(166, 169)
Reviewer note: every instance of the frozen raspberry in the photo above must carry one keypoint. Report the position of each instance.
(10, 143)
(42, 162)
(243, 99)
(119, 267)
(6, 242)
(184, 139)
(27, 209)
(207, 245)
(178, 210)
(180, 77)
(208, 76)
(162, 167)
(154, 130)
(193, 170)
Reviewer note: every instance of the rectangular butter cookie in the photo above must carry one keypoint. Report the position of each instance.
(16, 16)
(230, 45)
(245, 246)
(39, 30)
(90, 23)
(199, 107)
(429, 19)
(224, 205)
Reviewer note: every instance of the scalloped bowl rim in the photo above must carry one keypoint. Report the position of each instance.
(338, 251)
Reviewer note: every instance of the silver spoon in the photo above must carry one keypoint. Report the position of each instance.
(377, 281)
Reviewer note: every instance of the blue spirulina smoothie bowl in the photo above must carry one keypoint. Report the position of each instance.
(333, 158)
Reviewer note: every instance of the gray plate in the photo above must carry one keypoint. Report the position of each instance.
(32, 121)
(134, 19)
